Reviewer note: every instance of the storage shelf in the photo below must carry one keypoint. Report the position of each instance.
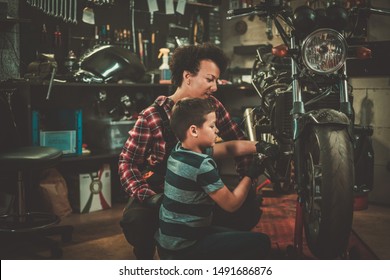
(99, 85)
(95, 155)
(12, 20)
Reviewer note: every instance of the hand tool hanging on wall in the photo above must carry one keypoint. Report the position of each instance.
(75, 12)
(70, 11)
(132, 11)
(198, 29)
(140, 46)
(57, 13)
(53, 73)
(63, 9)
(44, 40)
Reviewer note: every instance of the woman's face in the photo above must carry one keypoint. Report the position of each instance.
(203, 84)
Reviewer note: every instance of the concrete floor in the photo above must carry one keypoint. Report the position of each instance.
(373, 227)
(97, 235)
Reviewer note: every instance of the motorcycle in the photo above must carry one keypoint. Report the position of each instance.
(305, 108)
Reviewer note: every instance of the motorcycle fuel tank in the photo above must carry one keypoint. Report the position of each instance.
(109, 63)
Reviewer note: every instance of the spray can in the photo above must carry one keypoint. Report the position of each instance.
(165, 73)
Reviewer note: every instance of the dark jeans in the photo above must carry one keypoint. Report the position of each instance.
(223, 244)
(140, 222)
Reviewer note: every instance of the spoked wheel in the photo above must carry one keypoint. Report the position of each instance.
(329, 181)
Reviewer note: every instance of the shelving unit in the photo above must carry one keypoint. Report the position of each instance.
(30, 96)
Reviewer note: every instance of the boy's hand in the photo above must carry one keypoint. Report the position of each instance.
(155, 200)
(254, 170)
(268, 149)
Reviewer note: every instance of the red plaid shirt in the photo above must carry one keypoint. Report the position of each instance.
(146, 146)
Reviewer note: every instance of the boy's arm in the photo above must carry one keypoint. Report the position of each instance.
(234, 148)
(232, 200)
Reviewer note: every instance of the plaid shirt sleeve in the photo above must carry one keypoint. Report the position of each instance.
(137, 153)
(229, 130)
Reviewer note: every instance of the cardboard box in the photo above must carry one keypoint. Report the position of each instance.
(91, 191)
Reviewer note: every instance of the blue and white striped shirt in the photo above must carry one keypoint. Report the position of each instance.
(186, 210)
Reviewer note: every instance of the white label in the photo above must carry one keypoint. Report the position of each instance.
(169, 8)
(181, 5)
(152, 4)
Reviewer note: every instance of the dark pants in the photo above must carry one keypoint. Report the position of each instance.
(140, 222)
(223, 244)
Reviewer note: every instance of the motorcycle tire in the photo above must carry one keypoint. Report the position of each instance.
(328, 193)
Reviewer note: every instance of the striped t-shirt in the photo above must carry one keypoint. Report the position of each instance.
(186, 210)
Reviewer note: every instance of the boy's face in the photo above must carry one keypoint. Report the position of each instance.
(207, 134)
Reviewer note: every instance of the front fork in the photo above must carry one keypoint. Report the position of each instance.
(345, 104)
(297, 111)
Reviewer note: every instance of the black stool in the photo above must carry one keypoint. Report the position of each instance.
(32, 227)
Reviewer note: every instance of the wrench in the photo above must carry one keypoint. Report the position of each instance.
(75, 12)
(45, 5)
(57, 13)
(65, 11)
(51, 8)
(61, 15)
(69, 19)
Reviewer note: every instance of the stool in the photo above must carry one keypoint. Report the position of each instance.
(22, 225)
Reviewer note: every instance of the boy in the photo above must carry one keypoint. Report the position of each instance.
(193, 186)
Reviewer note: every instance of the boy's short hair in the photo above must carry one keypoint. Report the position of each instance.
(188, 58)
(187, 112)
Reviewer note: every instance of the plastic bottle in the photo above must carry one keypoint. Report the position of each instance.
(165, 73)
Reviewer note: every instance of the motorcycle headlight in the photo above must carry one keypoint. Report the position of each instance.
(324, 51)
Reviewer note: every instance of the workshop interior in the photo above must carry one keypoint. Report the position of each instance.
(75, 74)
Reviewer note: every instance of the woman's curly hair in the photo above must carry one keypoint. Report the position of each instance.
(188, 58)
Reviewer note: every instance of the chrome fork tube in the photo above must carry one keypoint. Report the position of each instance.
(298, 110)
(297, 107)
(345, 105)
(344, 86)
(297, 96)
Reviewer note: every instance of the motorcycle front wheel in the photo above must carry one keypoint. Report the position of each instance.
(328, 193)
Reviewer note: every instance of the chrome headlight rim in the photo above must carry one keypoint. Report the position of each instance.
(315, 34)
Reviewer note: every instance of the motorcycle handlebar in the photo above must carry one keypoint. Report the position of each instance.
(262, 9)
(241, 11)
(276, 6)
(375, 11)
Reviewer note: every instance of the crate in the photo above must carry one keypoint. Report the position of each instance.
(61, 129)
(112, 134)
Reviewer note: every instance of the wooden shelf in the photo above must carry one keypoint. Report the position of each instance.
(6, 24)
(95, 155)
(12, 20)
